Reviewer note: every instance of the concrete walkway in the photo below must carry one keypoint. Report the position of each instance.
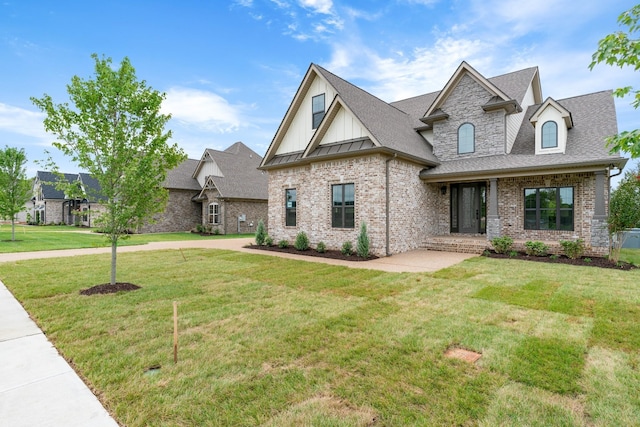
(39, 388)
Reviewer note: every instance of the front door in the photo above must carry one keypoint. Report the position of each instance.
(468, 208)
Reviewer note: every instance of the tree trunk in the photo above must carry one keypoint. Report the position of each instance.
(13, 229)
(114, 248)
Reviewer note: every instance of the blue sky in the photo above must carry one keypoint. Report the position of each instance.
(231, 68)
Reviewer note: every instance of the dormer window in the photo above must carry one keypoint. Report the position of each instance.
(317, 110)
(549, 135)
(466, 139)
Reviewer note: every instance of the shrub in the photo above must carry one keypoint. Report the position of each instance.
(268, 241)
(302, 241)
(215, 231)
(283, 244)
(502, 245)
(536, 248)
(573, 249)
(261, 233)
(362, 247)
(321, 248)
(200, 228)
(347, 248)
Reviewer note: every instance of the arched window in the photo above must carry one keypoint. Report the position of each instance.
(214, 213)
(549, 135)
(466, 139)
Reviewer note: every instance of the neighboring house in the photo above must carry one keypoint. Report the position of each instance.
(49, 205)
(233, 192)
(449, 170)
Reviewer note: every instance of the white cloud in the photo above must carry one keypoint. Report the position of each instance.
(23, 122)
(318, 6)
(203, 109)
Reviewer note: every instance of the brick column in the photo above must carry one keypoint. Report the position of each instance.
(493, 218)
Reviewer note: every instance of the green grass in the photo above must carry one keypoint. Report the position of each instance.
(46, 238)
(277, 342)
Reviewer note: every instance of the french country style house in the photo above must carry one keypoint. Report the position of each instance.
(449, 170)
(224, 192)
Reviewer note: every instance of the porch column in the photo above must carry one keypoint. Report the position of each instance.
(493, 218)
(599, 228)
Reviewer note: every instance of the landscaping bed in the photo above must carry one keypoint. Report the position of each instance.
(332, 254)
(562, 259)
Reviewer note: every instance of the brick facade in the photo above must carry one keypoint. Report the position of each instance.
(408, 197)
(230, 210)
(180, 214)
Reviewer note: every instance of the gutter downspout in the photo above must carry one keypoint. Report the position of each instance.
(387, 213)
(609, 197)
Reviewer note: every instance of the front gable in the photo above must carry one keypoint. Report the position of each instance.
(206, 167)
(552, 123)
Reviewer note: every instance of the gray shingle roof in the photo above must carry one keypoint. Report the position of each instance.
(48, 181)
(92, 187)
(390, 126)
(242, 179)
(180, 177)
(594, 120)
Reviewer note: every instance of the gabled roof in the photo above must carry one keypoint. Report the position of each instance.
(501, 98)
(48, 182)
(242, 179)
(389, 129)
(180, 177)
(566, 114)
(595, 120)
(91, 186)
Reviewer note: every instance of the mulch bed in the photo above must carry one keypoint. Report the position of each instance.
(332, 254)
(108, 288)
(561, 259)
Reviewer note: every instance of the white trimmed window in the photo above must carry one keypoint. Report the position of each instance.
(214, 213)
(466, 139)
(550, 134)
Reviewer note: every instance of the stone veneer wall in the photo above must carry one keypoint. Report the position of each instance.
(253, 210)
(511, 208)
(464, 105)
(53, 212)
(180, 214)
(408, 202)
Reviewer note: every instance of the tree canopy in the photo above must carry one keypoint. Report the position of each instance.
(624, 209)
(114, 130)
(622, 49)
(14, 186)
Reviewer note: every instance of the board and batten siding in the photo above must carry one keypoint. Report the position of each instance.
(343, 128)
(514, 121)
(300, 130)
(209, 168)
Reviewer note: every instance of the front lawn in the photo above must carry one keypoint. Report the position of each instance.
(276, 342)
(47, 238)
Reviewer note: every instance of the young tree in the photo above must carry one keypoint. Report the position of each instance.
(115, 131)
(14, 186)
(624, 210)
(622, 49)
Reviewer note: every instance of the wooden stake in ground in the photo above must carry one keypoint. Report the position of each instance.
(175, 332)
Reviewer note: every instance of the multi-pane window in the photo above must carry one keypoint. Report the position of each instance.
(466, 138)
(549, 135)
(317, 110)
(548, 208)
(214, 213)
(343, 206)
(290, 207)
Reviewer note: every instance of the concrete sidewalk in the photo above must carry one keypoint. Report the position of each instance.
(39, 388)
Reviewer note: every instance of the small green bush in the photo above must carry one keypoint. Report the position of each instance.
(321, 247)
(283, 244)
(347, 248)
(362, 247)
(536, 248)
(261, 233)
(268, 241)
(502, 245)
(573, 249)
(302, 241)
(200, 228)
(215, 231)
